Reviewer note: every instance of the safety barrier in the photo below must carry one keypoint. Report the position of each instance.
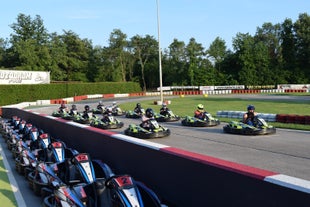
(80, 98)
(283, 118)
(108, 96)
(293, 118)
(177, 93)
(239, 115)
(121, 95)
(137, 94)
(295, 90)
(179, 177)
(58, 101)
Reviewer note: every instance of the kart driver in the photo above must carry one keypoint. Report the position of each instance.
(149, 114)
(87, 114)
(63, 108)
(100, 106)
(73, 110)
(106, 114)
(164, 110)
(248, 118)
(138, 109)
(199, 112)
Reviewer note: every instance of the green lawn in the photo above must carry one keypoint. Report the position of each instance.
(7, 197)
(186, 106)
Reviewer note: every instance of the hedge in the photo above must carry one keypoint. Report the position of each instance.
(13, 94)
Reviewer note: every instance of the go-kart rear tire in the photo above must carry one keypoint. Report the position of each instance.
(49, 201)
(36, 189)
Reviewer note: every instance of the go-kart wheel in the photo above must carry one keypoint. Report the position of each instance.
(36, 189)
(49, 201)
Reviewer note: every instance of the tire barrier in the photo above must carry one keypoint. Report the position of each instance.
(239, 115)
(80, 98)
(295, 90)
(180, 178)
(58, 101)
(177, 93)
(245, 91)
(293, 118)
(282, 118)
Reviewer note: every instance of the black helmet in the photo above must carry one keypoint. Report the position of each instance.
(149, 112)
(138, 105)
(74, 106)
(251, 107)
(86, 107)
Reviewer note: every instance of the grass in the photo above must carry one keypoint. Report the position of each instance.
(7, 197)
(186, 106)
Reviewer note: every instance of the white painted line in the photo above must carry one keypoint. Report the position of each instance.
(52, 117)
(18, 196)
(138, 141)
(77, 124)
(290, 182)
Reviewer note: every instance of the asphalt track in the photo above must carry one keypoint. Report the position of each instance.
(286, 152)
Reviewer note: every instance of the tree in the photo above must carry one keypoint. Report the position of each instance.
(117, 49)
(243, 45)
(76, 56)
(195, 54)
(302, 31)
(216, 52)
(176, 71)
(271, 62)
(288, 45)
(144, 48)
(29, 41)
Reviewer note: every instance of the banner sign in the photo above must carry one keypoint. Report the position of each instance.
(294, 86)
(229, 87)
(24, 77)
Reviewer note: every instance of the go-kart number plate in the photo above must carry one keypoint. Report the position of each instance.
(155, 124)
(123, 181)
(82, 157)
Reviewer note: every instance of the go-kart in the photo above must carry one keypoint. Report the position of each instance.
(108, 122)
(116, 110)
(99, 110)
(169, 117)
(70, 116)
(206, 121)
(261, 127)
(85, 119)
(133, 114)
(86, 182)
(155, 130)
(59, 113)
(48, 159)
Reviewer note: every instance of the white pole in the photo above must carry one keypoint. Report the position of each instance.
(159, 55)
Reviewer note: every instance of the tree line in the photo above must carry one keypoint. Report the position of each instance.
(276, 54)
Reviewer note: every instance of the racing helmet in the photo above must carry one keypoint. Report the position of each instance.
(62, 105)
(138, 105)
(100, 103)
(149, 112)
(109, 109)
(251, 107)
(200, 106)
(74, 107)
(164, 105)
(86, 108)
(114, 103)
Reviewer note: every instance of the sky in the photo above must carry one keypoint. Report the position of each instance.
(204, 20)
